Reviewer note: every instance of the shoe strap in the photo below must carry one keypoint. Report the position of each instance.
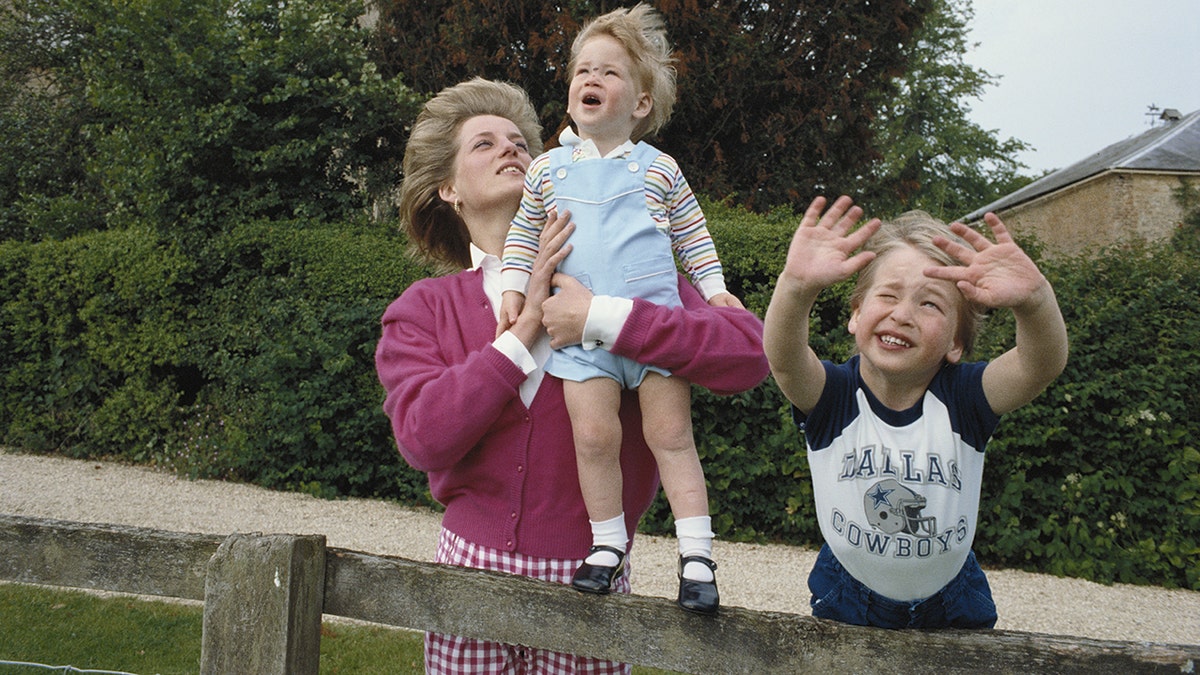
(616, 551)
(699, 559)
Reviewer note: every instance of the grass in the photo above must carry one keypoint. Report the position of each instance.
(60, 627)
(64, 627)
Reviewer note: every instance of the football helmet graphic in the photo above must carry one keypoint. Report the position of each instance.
(893, 508)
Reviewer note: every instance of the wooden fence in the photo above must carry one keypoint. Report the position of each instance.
(264, 596)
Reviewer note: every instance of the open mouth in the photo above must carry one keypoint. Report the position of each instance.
(893, 341)
(591, 99)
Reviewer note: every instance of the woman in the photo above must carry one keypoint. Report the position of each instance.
(472, 409)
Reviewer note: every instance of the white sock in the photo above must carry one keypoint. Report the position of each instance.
(695, 538)
(608, 533)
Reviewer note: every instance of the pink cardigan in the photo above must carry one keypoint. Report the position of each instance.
(506, 473)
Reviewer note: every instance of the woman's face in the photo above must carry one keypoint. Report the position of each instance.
(489, 168)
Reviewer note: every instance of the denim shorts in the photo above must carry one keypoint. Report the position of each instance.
(965, 602)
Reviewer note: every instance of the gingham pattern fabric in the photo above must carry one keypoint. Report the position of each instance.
(452, 655)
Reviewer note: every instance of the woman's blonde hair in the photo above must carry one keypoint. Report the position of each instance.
(435, 229)
(917, 229)
(643, 33)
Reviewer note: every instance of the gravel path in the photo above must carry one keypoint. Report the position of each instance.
(766, 577)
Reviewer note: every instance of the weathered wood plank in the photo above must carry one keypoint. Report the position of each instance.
(654, 632)
(637, 629)
(104, 557)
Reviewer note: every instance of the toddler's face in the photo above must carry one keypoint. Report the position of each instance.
(604, 99)
(907, 324)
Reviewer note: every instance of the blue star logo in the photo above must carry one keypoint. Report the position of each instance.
(880, 496)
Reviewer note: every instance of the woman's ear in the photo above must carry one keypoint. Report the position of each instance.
(448, 194)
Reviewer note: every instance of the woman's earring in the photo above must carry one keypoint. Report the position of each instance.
(458, 207)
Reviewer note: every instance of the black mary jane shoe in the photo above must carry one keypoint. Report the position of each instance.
(700, 597)
(598, 579)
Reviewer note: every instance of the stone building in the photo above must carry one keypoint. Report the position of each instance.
(1128, 189)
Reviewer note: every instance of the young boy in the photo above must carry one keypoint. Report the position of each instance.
(632, 207)
(896, 435)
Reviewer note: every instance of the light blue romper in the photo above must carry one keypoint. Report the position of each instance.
(619, 250)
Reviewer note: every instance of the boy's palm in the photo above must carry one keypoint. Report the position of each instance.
(822, 249)
(996, 275)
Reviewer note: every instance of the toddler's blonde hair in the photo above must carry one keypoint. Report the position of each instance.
(643, 33)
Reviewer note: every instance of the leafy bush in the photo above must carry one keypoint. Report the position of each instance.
(1100, 476)
(84, 328)
(253, 360)
(186, 117)
(289, 333)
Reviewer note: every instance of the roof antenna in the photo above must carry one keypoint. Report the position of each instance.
(1152, 113)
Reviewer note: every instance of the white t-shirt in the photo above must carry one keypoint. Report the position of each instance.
(897, 492)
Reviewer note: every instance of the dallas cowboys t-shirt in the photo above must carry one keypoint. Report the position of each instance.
(897, 491)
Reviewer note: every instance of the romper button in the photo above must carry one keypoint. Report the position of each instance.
(561, 173)
(633, 167)
(520, 468)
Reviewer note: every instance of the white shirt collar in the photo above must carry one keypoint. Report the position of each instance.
(479, 257)
(586, 149)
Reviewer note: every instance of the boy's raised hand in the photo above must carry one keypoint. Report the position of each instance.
(823, 248)
(997, 274)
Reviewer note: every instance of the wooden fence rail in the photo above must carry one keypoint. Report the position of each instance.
(264, 596)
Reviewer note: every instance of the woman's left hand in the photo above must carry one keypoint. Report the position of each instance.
(565, 313)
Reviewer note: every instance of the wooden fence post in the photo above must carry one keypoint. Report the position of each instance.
(262, 605)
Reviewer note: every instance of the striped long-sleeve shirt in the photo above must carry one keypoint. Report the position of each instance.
(669, 199)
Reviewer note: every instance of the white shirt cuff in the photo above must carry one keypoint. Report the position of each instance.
(512, 347)
(606, 317)
(514, 280)
(711, 286)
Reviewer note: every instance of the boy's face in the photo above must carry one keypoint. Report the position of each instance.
(907, 324)
(604, 100)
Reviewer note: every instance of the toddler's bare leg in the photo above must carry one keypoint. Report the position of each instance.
(594, 407)
(667, 424)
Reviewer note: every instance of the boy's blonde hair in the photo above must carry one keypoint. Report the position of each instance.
(917, 229)
(643, 33)
(435, 230)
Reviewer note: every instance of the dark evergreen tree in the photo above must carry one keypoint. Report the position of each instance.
(775, 99)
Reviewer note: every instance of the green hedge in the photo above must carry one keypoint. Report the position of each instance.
(252, 360)
(249, 360)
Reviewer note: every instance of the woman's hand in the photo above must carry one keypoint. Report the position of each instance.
(552, 249)
(565, 313)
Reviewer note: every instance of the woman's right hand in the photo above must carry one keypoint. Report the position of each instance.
(552, 250)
